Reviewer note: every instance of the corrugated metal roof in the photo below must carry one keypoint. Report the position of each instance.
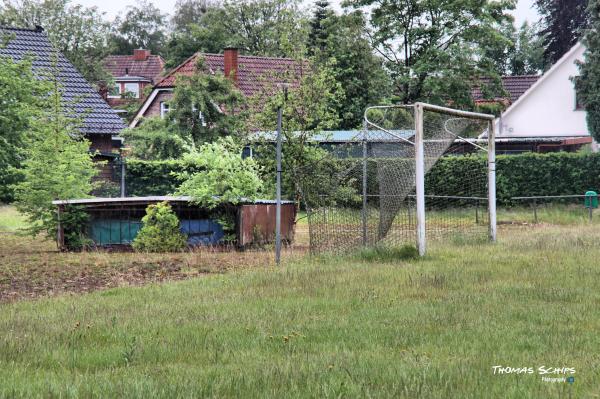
(77, 92)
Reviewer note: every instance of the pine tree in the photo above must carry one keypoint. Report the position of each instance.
(318, 35)
(58, 164)
(588, 82)
(563, 24)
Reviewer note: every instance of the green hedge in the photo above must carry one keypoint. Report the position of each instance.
(517, 175)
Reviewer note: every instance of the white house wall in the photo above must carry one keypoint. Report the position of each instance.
(548, 108)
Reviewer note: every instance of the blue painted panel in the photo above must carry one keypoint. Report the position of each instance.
(202, 231)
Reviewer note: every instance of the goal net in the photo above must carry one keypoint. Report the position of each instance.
(415, 174)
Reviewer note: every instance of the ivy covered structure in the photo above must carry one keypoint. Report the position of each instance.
(113, 223)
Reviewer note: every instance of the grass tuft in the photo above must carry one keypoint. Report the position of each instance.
(388, 254)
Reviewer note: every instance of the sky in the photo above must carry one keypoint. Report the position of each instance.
(523, 12)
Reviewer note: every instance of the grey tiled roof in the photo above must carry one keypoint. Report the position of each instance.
(99, 118)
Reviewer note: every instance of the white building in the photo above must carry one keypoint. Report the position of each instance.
(547, 116)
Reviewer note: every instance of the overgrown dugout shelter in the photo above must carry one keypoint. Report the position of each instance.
(114, 222)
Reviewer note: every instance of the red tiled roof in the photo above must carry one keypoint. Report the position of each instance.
(254, 73)
(515, 86)
(151, 68)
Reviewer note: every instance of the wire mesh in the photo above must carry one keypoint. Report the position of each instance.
(362, 192)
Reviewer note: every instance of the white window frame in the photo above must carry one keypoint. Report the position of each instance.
(136, 91)
(118, 95)
(164, 109)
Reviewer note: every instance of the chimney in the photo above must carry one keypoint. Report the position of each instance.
(141, 54)
(231, 63)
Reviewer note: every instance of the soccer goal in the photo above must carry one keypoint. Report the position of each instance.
(415, 174)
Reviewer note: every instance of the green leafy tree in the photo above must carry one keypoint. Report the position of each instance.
(141, 26)
(563, 23)
(58, 164)
(276, 28)
(434, 48)
(21, 100)
(188, 12)
(225, 176)
(155, 139)
(160, 231)
(76, 31)
(311, 107)
(206, 106)
(340, 42)
(587, 83)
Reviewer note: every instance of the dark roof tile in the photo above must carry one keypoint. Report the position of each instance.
(121, 65)
(515, 86)
(98, 118)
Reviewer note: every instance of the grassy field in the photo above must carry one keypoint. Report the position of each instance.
(317, 327)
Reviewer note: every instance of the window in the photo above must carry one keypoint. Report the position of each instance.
(114, 91)
(132, 90)
(164, 109)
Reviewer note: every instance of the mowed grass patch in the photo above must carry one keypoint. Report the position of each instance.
(10, 219)
(327, 327)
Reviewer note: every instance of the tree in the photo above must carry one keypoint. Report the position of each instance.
(206, 106)
(309, 109)
(160, 231)
(77, 32)
(155, 139)
(58, 164)
(563, 22)
(21, 101)
(340, 41)
(434, 48)
(517, 52)
(188, 12)
(142, 26)
(226, 177)
(275, 28)
(587, 83)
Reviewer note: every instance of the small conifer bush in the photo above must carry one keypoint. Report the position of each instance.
(160, 231)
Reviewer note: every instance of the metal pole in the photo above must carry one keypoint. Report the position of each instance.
(591, 210)
(278, 207)
(364, 185)
(535, 217)
(122, 176)
(492, 179)
(420, 178)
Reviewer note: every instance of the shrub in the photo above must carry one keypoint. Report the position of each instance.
(160, 231)
(388, 254)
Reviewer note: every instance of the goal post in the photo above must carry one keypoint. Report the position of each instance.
(420, 108)
(415, 174)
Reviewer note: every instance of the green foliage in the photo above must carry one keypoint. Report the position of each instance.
(58, 165)
(340, 42)
(206, 106)
(74, 220)
(587, 83)
(155, 139)
(78, 32)
(310, 108)
(435, 49)
(225, 177)
(21, 97)
(142, 26)
(563, 23)
(276, 28)
(160, 231)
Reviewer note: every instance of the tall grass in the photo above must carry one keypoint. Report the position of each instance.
(328, 327)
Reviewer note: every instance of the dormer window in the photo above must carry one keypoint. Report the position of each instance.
(132, 90)
(114, 91)
(164, 109)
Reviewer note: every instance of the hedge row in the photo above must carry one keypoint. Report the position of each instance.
(517, 175)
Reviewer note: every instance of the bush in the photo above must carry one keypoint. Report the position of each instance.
(388, 254)
(160, 231)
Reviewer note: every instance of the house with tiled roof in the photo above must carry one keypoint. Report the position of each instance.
(100, 123)
(132, 74)
(250, 75)
(546, 116)
(514, 87)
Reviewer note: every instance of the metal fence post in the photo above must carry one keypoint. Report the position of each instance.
(535, 216)
(278, 206)
(364, 185)
(492, 179)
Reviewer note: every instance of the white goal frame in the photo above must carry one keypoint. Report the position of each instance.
(419, 109)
